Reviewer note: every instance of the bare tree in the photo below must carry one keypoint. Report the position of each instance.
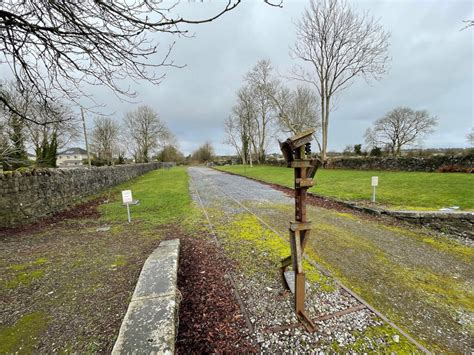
(399, 128)
(233, 131)
(7, 149)
(240, 126)
(337, 45)
(262, 88)
(146, 132)
(298, 110)
(60, 127)
(470, 137)
(54, 127)
(14, 129)
(170, 153)
(204, 153)
(54, 47)
(104, 138)
(246, 111)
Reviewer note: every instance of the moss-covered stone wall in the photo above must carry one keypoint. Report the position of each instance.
(442, 163)
(29, 195)
(464, 163)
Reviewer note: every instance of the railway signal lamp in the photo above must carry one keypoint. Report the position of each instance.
(297, 153)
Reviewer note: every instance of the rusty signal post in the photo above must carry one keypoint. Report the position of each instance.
(297, 153)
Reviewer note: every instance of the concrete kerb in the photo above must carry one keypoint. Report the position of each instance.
(457, 223)
(150, 324)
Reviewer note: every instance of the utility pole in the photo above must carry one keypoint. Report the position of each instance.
(85, 137)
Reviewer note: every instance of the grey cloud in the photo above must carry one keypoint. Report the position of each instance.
(431, 68)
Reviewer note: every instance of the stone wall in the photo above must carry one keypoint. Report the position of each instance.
(456, 223)
(459, 224)
(461, 163)
(29, 195)
(464, 163)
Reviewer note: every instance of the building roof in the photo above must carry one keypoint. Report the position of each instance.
(73, 150)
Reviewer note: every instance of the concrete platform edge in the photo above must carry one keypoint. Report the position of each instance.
(150, 324)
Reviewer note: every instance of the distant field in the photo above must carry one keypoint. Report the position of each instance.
(397, 190)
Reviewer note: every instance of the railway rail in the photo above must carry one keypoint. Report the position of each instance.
(363, 304)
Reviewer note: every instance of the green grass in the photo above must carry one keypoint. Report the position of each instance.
(163, 196)
(397, 190)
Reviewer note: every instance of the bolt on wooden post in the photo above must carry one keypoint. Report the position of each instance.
(297, 153)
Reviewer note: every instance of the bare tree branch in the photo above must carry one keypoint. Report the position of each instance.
(55, 47)
(280, 4)
(469, 23)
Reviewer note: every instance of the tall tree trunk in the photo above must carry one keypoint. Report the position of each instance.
(250, 157)
(325, 127)
(399, 150)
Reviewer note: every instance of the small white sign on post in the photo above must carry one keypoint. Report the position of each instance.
(375, 183)
(127, 200)
(127, 196)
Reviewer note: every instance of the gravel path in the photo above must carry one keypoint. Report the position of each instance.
(424, 282)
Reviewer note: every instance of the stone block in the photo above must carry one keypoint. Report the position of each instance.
(148, 328)
(150, 324)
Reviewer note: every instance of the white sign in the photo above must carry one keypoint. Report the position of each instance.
(127, 196)
(375, 181)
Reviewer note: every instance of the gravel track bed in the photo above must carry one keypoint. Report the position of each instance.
(421, 279)
(267, 303)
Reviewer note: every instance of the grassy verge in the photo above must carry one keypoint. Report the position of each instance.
(66, 286)
(163, 196)
(397, 190)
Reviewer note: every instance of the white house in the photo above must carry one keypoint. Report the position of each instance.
(71, 157)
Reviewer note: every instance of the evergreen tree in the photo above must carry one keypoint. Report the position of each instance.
(18, 155)
(47, 152)
(52, 151)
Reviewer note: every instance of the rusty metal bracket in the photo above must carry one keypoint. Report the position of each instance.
(321, 318)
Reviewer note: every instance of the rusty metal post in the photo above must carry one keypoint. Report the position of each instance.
(296, 151)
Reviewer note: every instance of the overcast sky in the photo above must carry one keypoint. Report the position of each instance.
(431, 68)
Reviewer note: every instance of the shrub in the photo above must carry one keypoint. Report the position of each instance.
(454, 168)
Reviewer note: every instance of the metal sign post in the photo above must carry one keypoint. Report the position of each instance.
(375, 183)
(128, 213)
(297, 153)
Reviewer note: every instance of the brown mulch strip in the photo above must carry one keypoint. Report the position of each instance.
(320, 201)
(86, 210)
(210, 320)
